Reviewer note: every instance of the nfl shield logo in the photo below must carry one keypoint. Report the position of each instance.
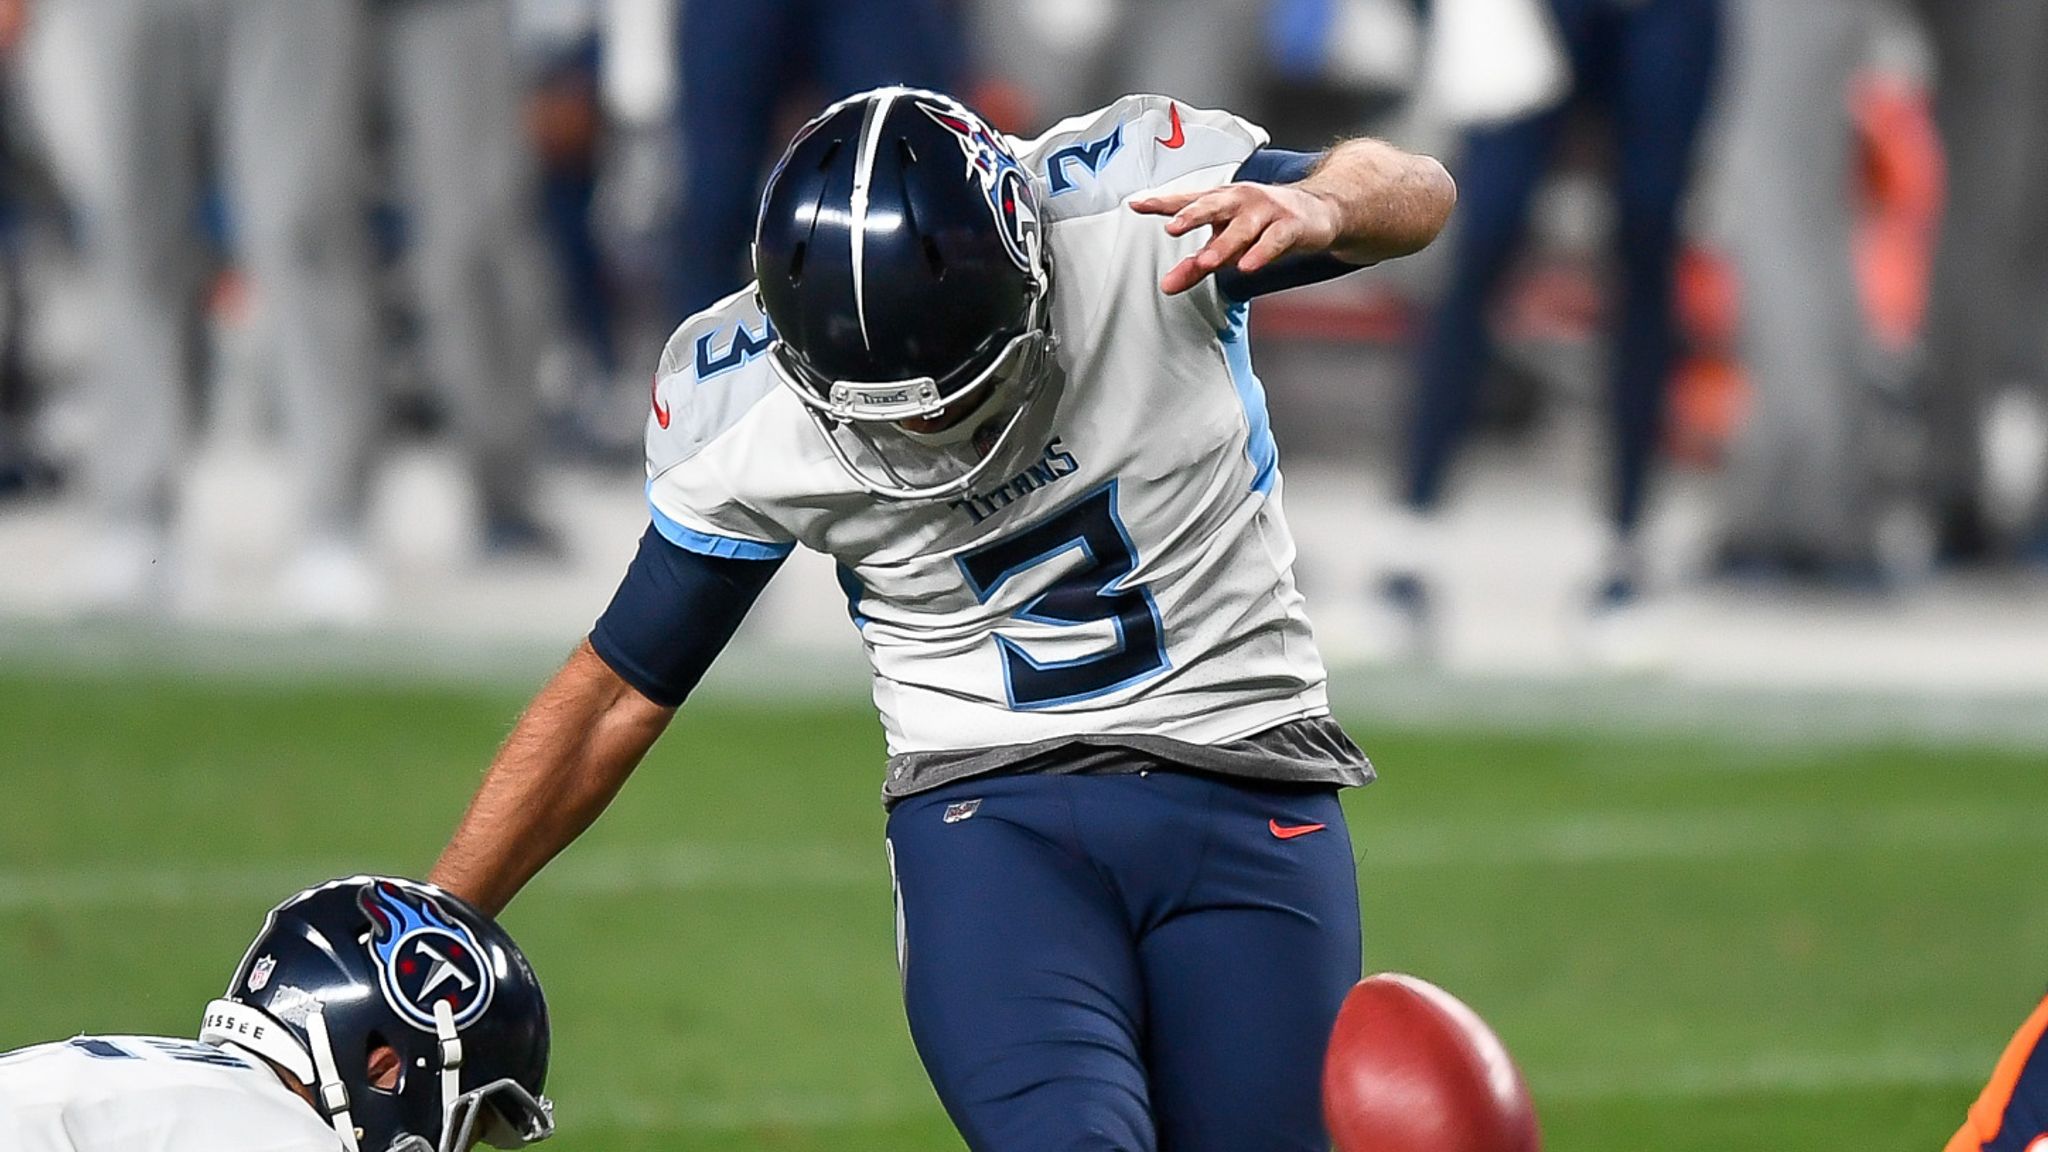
(964, 810)
(259, 973)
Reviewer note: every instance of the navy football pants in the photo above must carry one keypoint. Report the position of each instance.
(1126, 963)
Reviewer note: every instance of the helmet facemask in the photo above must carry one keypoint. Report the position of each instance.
(502, 1114)
(864, 421)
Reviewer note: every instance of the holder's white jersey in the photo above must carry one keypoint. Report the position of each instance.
(150, 1094)
(1129, 573)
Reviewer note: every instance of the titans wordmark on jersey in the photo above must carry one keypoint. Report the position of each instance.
(122, 1093)
(1129, 573)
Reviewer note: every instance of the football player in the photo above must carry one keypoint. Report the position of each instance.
(1007, 386)
(2011, 1114)
(370, 1015)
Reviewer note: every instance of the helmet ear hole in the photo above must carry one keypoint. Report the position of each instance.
(933, 259)
(796, 262)
(383, 1067)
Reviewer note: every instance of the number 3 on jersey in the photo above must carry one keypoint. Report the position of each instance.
(1091, 593)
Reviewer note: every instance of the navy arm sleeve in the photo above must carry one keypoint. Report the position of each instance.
(1280, 166)
(673, 614)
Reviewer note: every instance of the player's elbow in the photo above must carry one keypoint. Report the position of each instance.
(642, 699)
(1432, 194)
(1441, 196)
(1417, 198)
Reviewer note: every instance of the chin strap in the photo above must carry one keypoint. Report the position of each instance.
(451, 1056)
(332, 1093)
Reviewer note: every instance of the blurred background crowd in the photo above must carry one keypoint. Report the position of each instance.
(342, 312)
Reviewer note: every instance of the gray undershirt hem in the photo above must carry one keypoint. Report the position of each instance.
(1313, 751)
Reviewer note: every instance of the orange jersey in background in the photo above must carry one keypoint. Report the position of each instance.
(2012, 1113)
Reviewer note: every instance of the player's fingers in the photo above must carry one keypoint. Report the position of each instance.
(1164, 203)
(1227, 245)
(1181, 277)
(1240, 220)
(1275, 242)
(1210, 208)
(1221, 249)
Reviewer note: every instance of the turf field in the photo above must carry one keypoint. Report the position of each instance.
(1690, 944)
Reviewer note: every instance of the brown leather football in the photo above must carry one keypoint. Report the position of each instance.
(1412, 1069)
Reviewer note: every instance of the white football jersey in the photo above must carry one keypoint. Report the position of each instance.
(150, 1094)
(1131, 573)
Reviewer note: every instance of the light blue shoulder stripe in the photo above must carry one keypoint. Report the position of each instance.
(706, 544)
(1237, 353)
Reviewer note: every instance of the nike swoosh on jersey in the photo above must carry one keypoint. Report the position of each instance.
(1179, 137)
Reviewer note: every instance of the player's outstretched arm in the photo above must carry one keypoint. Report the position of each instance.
(566, 758)
(588, 729)
(1365, 201)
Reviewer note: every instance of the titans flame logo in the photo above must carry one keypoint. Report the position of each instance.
(1010, 198)
(423, 956)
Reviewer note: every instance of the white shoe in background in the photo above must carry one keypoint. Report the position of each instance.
(1395, 621)
(331, 582)
(1638, 636)
(1626, 628)
(1389, 625)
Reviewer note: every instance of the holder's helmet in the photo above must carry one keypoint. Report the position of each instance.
(351, 967)
(899, 258)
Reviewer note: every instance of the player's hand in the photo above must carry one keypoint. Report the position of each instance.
(1253, 225)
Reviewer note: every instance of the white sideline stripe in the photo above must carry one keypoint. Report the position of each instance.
(697, 866)
(688, 867)
(1789, 1072)
(770, 1110)
(1798, 1072)
(1678, 835)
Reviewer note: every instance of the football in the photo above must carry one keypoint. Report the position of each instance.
(1411, 1068)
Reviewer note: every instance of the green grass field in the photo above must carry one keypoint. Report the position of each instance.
(1689, 944)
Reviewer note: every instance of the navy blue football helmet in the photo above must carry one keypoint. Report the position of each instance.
(347, 969)
(899, 257)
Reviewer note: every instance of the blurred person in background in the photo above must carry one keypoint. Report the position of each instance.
(602, 114)
(1804, 480)
(280, 86)
(452, 95)
(1799, 490)
(1323, 66)
(1989, 299)
(1206, 52)
(23, 467)
(740, 60)
(566, 121)
(1649, 65)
